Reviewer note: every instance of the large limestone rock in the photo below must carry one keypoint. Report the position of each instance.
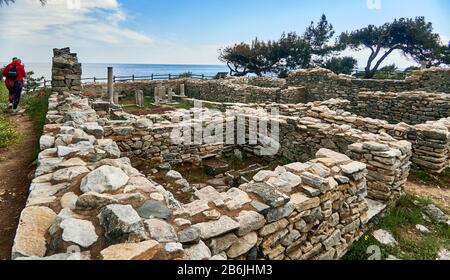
(243, 245)
(78, 231)
(103, 179)
(154, 209)
(198, 252)
(249, 221)
(269, 194)
(216, 228)
(161, 231)
(122, 224)
(132, 251)
(92, 200)
(68, 174)
(385, 238)
(30, 236)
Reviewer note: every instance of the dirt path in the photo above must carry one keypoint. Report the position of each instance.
(439, 196)
(15, 170)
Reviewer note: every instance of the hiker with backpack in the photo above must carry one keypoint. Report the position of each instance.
(14, 73)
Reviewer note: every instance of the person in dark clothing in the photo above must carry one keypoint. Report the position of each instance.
(15, 74)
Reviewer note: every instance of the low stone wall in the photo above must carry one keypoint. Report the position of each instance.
(409, 107)
(430, 141)
(387, 159)
(88, 203)
(150, 137)
(148, 87)
(324, 84)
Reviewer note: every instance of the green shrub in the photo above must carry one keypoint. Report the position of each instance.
(37, 106)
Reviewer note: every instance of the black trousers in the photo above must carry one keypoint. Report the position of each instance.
(14, 94)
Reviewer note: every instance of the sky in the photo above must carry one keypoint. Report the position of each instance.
(187, 31)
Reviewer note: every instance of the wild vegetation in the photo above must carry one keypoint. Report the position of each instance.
(8, 134)
(401, 222)
(414, 38)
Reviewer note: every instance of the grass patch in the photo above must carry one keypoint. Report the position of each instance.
(8, 134)
(37, 107)
(3, 98)
(401, 221)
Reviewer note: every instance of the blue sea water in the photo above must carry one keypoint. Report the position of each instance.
(99, 70)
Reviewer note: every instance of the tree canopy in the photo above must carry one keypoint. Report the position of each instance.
(412, 37)
(341, 65)
(290, 52)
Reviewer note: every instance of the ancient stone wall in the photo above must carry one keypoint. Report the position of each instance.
(85, 195)
(124, 88)
(413, 107)
(150, 137)
(324, 84)
(430, 141)
(66, 71)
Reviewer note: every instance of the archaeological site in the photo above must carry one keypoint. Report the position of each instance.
(239, 168)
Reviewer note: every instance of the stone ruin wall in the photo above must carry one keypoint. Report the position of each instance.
(410, 100)
(388, 159)
(85, 194)
(66, 71)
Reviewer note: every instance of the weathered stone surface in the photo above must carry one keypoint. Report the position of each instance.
(302, 202)
(443, 255)
(161, 231)
(132, 251)
(174, 175)
(122, 224)
(196, 207)
(222, 243)
(174, 248)
(279, 213)
(198, 252)
(385, 237)
(103, 179)
(249, 221)
(333, 240)
(326, 153)
(93, 200)
(243, 245)
(236, 199)
(211, 195)
(273, 227)
(80, 232)
(216, 228)
(263, 176)
(353, 167)
(375, 146)
(268, 194)
(30, 236)
(154, 209)
(423, 229)
(46, 142)
(297, 167)
(435, 213)
(68, 174)
(189, 235)
(69, 200)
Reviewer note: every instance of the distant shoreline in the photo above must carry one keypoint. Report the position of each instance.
(98, 70)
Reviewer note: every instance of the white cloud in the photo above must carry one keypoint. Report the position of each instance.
(59, 24)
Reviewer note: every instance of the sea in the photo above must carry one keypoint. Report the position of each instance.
(99, 70)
